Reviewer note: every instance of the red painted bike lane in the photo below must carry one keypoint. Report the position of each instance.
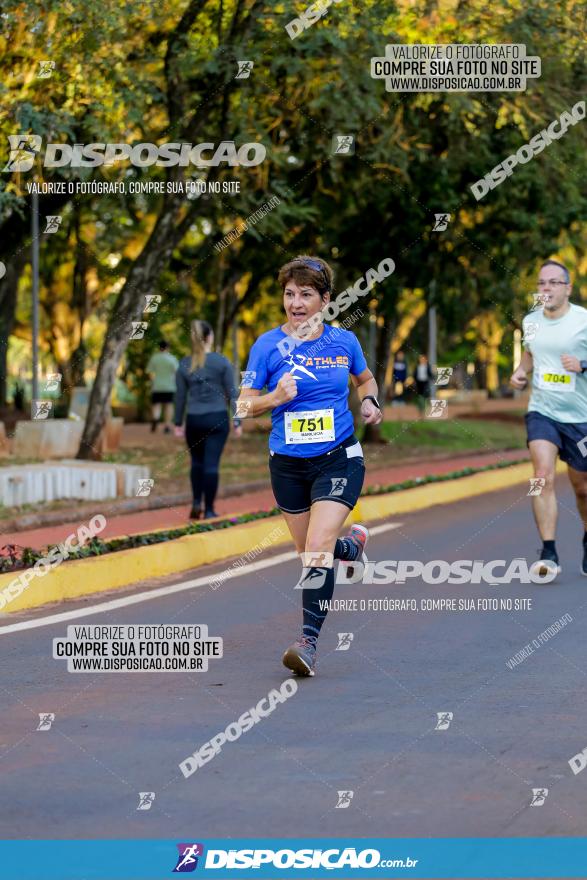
(172, 517)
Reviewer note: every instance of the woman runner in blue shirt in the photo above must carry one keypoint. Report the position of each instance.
(316, 462)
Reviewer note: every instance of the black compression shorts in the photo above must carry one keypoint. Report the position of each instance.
(335, 476)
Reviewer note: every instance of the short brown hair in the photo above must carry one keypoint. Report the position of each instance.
(306, 269)
(560, 266)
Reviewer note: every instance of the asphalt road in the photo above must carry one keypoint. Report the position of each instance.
(365, 723)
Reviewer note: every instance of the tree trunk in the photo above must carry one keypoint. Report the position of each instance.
(383, 355)
(384, 337)
(15, 238)
(220, 325)
(229, 306)
(175, 217)
(8, 292)
(80, 302)
(166, 235)
(78, 365)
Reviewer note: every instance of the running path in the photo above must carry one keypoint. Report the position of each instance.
(366, 722)
(172, 517)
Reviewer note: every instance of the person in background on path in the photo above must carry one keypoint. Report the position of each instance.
(162, 367)
(18, 396)
(205, 388)
(555, 353)
(422, 377)
(400, 374)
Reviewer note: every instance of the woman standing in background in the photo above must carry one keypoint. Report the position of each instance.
(204, 390)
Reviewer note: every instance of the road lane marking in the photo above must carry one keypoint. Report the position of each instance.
(134, 599)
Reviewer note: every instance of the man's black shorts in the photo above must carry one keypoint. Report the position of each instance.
(162, 397)
(570, 438)
(335, 476)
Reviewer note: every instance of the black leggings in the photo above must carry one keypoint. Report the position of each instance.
(206, 436)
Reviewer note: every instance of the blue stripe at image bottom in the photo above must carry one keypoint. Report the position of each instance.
(277, 858)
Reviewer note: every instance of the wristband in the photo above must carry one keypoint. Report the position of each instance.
(371, 397)
(583, 365)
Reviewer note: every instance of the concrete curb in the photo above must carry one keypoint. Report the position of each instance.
(119, 507)
(102, 573)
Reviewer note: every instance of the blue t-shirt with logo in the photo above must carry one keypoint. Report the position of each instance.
(321, 368)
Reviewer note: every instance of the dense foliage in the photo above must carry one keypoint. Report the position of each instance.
(165, 71)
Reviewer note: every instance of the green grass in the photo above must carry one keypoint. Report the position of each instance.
(14, 559)
(169, 463)
(453, 435)
(245, 460)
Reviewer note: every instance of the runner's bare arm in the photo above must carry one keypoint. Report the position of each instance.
(252, 403)
(366, 386)
(519, 377)
(571, 363)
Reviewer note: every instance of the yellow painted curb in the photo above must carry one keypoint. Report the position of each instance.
(372, 507)
(101, 573)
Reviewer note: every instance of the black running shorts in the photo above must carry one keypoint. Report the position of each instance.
(568, 436)
(335, 476)
(162, 397)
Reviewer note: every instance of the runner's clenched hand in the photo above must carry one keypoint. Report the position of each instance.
(286, 389)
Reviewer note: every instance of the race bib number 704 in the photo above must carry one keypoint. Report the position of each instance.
(556, 381)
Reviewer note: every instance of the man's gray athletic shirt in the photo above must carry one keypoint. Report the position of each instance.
(556, 392)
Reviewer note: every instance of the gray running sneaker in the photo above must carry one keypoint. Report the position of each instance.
(358, 535)
(301, 656)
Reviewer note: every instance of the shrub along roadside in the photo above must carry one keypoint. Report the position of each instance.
(13, 557)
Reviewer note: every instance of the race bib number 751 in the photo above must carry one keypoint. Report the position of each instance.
(315, 426)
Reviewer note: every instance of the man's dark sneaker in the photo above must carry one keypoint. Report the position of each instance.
(211, 514)
(550, 560)
(195, 513)
(301, 656)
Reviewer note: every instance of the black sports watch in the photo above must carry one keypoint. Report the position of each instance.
(376, 402)
(583, 365)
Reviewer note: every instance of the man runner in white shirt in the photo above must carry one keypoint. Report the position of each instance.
(555, 342)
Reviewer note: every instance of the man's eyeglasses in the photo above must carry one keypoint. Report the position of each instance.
(552, 284)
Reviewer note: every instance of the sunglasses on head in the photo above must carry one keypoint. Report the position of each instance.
(316, 266)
